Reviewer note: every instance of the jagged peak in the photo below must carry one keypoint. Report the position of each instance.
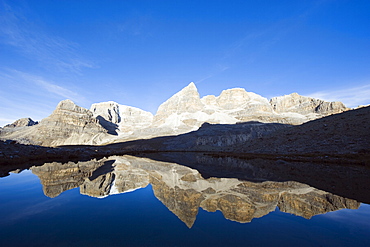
(186, 100)
(191, 85)
(65, 104)
(69, 105)
(189, 88)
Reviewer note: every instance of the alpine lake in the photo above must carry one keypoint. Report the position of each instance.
(185, 199)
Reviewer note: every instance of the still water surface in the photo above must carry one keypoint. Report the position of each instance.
(129, 201)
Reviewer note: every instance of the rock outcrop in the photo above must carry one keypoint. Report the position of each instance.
(68, 124)
(124, 118)
(296, 103)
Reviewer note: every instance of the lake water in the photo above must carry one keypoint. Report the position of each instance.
(132, 201)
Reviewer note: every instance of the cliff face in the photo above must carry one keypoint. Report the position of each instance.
(183, 190)
(123, 119)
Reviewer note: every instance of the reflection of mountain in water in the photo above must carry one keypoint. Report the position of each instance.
(183, 190)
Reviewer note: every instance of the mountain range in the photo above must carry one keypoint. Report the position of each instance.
(110, 122)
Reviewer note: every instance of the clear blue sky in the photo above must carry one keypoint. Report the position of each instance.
(140, 53)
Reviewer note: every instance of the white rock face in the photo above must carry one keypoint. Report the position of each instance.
(126, 118)
(134, 118)
(185, 101)
(108, 110)
(235, 98)
(239, 104)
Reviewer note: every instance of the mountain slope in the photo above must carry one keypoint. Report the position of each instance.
(347, 132)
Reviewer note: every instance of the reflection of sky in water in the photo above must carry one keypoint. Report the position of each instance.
(139, 218)
(358, 218)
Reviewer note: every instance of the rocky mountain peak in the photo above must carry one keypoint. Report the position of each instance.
(23, 122)
(69, 113)
(69, 105)
(186, 100)
(126, 118)
(237, 97)
(108, 110)
(191, 86)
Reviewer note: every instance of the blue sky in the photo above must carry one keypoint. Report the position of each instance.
(139, 53)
